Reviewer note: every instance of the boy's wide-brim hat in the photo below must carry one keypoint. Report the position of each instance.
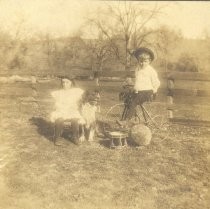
(143, 50)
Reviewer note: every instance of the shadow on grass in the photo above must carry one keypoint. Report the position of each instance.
(44, 128)
(106, 142)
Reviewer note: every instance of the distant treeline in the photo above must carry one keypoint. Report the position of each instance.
(53, 55)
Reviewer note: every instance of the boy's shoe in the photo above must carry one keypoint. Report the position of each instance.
(122, 123)
(57, 142)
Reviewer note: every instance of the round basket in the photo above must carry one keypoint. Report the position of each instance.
(141, 135)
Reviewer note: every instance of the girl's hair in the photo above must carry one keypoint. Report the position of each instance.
(73, 82)
(70, 79)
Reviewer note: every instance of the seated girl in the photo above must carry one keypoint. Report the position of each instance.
(67, 109)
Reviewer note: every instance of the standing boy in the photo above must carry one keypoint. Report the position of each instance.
(146, 81)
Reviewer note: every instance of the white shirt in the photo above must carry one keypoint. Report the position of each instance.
(146, 79)
(66, 104)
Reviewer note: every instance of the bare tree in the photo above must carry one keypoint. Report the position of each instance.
(49, 47)
(166, 40)
(100, 50)
(74, 47)
(128, 21)
(18, 46)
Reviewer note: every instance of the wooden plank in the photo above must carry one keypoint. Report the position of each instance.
(111, 83)
(16, 91)
(88, 84)
(195, 76)
(188, 106)
(182, 99)
(80, 72)
(123, 74)
(49, 83)
(203, 93)
(161, 97)
(7, 73)
(189, 92)
(16, 84)
(119, 74)
(106, 87)
(13, 96)
(5, 103)
(161, 91)
(196, 112)
(191, 84)
(190, 122)
(193, 113)
(107, 73)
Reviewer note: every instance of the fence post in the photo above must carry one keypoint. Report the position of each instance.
(170, 86)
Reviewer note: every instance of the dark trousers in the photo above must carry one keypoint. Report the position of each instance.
(137, 99)
(60, 125)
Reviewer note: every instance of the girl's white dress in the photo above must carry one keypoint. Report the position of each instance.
(67, 104)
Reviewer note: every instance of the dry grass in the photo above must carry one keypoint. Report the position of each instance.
(35, 174)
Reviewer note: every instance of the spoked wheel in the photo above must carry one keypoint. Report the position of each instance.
(112, 130)
(152, 115)
(117, 113)
(112, 116)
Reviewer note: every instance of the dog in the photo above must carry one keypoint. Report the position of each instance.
(89, 108)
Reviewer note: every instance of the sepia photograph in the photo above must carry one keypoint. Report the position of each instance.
(104, 104)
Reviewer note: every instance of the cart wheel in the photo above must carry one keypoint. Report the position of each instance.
(115, 112)
(111, 117)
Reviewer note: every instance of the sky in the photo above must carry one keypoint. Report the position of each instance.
(64, 17)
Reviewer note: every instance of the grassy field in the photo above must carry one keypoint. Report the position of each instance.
(170, 173)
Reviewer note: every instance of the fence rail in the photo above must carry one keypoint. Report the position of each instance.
(189, 98)
(187, 95)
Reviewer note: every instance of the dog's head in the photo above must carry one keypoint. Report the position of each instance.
(92, 97)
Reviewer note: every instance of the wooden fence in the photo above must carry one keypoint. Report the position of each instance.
(186, 95)
(189, 98)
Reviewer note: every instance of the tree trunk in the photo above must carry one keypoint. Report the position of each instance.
(126, 55)
(127, 61)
